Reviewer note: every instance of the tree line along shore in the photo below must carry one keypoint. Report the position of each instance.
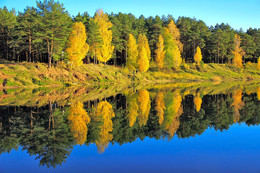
(47, 33)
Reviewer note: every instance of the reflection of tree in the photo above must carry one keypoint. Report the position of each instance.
(197, 102)
(258, 92)
(79, 119)
(144, 106)
(160, 106)
(173, 112)
(237, 103)
(104, 113)
(132, 108)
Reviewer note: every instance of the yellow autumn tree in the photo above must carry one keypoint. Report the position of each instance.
(238, 52)
(106, 49)
(175, 32)
(132, 53)
(174, 111)
(172, 54)
(143, 53)
(238, 104)
(77, 46)
(258, 93)
(258, 64)
(198, 56)
(132, 108)
(144, 106)
(197, 102)
(160, 106)
(104, 114)
(160, 53)
(78, 119)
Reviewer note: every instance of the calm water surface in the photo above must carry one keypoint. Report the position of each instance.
(139, 130)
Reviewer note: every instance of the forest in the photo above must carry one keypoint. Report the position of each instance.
(51, 131)
(48, 33)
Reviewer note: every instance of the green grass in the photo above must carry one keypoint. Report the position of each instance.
(38, 75)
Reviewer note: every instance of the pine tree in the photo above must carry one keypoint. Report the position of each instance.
(160, 53)
(238, 52)
(105, 52)
(131, 61)
(94, 39)
(78, 47)
(198, 56)
(7, 26)
(55, 27)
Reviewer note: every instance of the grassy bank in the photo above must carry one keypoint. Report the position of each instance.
(37, 74)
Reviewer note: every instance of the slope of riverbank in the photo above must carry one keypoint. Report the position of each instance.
(37, 74)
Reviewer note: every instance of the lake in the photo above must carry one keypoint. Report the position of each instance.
(161, 128)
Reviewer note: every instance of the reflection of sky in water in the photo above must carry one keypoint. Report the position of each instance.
(234, 150)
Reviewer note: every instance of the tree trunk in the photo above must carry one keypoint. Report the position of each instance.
(30, 46)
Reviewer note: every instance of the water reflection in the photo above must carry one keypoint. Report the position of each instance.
(50, 131)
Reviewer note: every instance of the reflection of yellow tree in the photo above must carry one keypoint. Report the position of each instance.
(132, 107)
(160, 106)
(174, 110)
(197, 102)
(104, 114)
(258, 93)
(237, 103)
(144, 106)
(79, 119)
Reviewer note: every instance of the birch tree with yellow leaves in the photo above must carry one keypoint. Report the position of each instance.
(258, 64)
(144, 103)
(131, 61)
(172, 54)
(175, 32)
(160, 53)
(77, 46)
(198, 56)
(106, 49)
(160, 106)
(238, 104)
(238, 52)
(144, 53)
(197, 102)
(104, 114)
(78, 119)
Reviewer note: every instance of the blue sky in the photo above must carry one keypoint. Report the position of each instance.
(237, 13)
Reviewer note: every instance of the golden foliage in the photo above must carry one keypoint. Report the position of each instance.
(197, 102)
(78, 119)
(104, 113)
(132, 107)
(143, 61)
(144, 106)
(160, 106)
(104, 53)
(238, 52)
(172, 54)
(237, 103)
(132, 53)
(144, 53)
(258, 93)
(198, 56)
(175, 32)
(77, 47)
(175, 110)
(258, 64)
(160, 52)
